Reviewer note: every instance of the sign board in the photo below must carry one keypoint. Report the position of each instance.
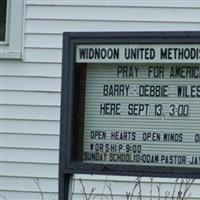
(131, 104)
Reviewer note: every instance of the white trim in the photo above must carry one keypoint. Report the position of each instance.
(7, 21)
(11, 48)
(9, 55)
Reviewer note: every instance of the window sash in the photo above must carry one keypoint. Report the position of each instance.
(4, 21)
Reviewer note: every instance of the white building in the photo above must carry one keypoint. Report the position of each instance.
(30, 84)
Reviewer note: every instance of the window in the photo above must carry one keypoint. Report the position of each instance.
(11, 23)
(3, 7)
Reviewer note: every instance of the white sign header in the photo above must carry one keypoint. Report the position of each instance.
(138, 53)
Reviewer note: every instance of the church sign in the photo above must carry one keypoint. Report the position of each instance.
(131, 104)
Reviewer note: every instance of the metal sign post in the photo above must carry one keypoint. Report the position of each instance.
(130, 105)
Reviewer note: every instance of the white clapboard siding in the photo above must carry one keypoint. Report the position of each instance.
(33, 40)
(30, 90)
(19, 186)
(124, 14)
(31, 170)
(30, 98)
(30, 112)
(29, 155)
(40, 84)
(26, 184)
(17, 68)
(38, 141)
(46, 55)
(30, 126)
(46, 26)
(23, 195)
(117, 3)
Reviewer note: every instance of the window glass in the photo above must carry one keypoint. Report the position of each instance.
(3, 5)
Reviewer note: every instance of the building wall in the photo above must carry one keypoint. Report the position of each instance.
(30, 91)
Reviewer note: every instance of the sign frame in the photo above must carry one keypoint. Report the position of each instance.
(72, 103)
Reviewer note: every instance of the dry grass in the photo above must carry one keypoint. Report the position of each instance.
(180, 191)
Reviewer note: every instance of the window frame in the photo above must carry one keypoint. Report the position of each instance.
(11, 48)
